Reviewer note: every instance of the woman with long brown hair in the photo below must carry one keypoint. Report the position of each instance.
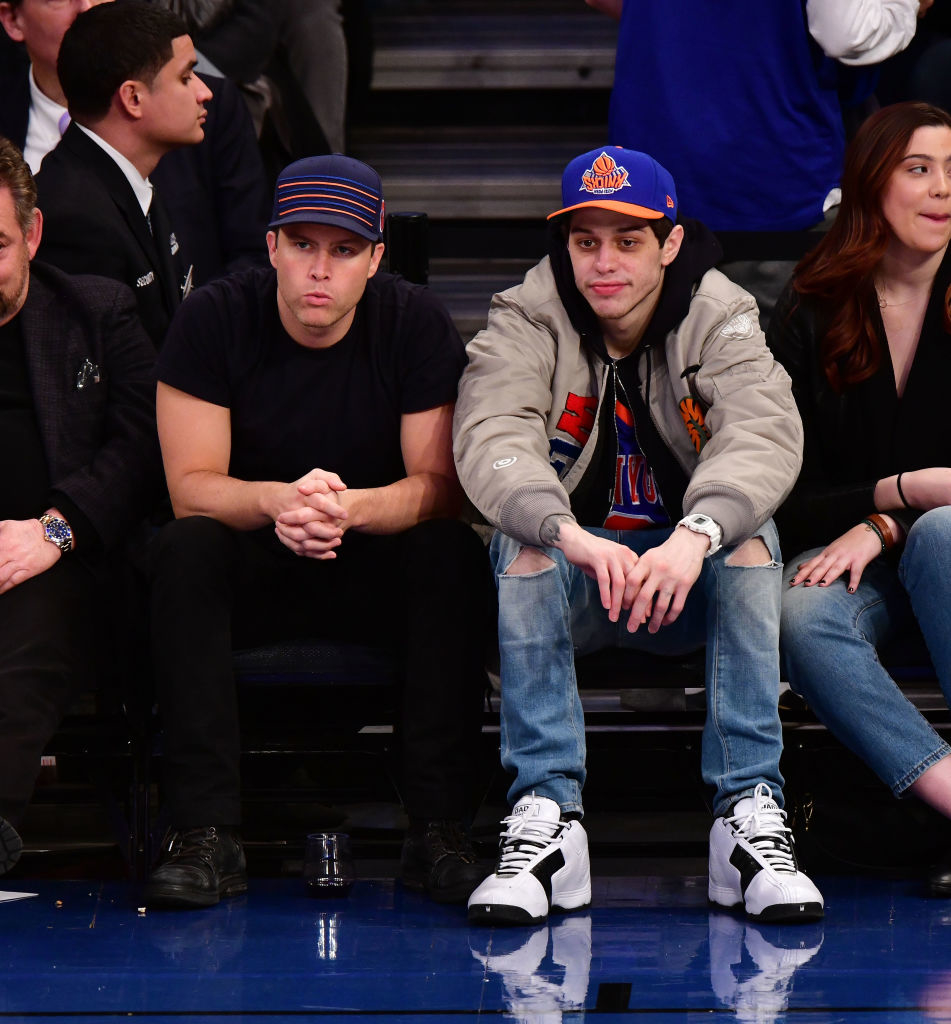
(864, 330)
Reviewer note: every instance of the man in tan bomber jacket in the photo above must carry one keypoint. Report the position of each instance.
(623, 427)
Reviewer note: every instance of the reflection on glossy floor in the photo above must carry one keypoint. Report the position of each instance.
(649, 948)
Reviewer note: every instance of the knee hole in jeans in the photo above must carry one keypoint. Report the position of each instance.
(527, 562)
(752, 553)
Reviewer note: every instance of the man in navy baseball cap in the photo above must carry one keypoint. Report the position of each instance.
(305, 414)
(624, 428)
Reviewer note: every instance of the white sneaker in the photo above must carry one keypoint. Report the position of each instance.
(542, 867)
(753, 863)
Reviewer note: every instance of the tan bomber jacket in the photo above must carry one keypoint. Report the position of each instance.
(527, 414)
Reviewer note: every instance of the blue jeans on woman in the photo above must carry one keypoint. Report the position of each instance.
(830, 640)
(546, 618)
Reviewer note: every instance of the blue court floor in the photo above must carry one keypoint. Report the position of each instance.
(649, 949)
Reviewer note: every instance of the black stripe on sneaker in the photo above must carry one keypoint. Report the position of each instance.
(546, 867)
(746, 864)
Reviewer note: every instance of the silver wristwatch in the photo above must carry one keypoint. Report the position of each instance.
(57, 532)
(699, 523)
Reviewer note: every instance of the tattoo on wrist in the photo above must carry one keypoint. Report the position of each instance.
(550, 531)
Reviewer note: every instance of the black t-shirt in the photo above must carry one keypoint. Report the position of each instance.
(294, 409)
(23, 466)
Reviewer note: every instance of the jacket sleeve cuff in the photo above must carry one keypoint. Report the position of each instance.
(83, 530)
(525, 509)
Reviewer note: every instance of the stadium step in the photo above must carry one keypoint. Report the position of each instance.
(475, 108)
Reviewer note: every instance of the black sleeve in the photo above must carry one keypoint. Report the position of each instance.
(821, 506)
(194, 356)
(433, 355)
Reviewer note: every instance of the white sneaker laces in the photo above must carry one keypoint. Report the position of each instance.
(764, 828)
(523, 838)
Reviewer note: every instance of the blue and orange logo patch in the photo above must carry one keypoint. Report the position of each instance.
(604, 176)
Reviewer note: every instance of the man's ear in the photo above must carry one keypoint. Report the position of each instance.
(375, 259)
(271, 239)
(11, 22)
(671, 246)
(34, 233)
(129, 97)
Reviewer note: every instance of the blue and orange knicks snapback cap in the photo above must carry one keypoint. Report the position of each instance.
(332, 189)
(622, 180)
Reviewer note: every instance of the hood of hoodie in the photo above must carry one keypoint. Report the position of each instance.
(699, 252)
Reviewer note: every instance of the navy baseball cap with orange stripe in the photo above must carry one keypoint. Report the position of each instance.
(332, 189)
(622, 180)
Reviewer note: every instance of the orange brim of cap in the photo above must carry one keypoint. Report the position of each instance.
(608, 204)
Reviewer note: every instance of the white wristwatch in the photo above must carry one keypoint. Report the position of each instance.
(699, 523)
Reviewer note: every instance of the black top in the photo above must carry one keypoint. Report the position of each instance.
(294, 409)
(23, 469)
(855, 439)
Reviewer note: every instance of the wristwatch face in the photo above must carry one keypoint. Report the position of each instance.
(57, 532)
(699, 523)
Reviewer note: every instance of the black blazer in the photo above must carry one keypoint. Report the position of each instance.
(93, 224)
(91, 370)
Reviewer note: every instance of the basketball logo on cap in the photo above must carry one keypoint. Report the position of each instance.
(603, 177)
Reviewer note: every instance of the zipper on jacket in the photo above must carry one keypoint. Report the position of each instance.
(658, 426)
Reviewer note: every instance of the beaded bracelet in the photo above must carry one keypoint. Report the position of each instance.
(901, 493)
(869, 525)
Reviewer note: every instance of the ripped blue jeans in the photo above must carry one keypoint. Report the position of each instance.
(547, 617)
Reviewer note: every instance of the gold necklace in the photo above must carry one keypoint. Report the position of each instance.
(883, 303)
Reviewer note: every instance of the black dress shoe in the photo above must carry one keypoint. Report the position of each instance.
(438, 859)
(198, 867)
(11, 846)
(939, 879)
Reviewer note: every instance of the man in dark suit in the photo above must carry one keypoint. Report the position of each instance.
(215, 192)
(80, 465)
(127, 71)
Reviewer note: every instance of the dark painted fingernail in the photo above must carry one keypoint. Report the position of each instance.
(822, 583)
(851, 590)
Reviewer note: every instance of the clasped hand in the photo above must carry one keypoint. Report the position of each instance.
(314, 522)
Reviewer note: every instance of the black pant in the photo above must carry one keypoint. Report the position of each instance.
(427, 591)
(50, 651)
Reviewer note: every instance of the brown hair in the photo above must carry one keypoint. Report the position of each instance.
(840, 270)
(15, 175)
